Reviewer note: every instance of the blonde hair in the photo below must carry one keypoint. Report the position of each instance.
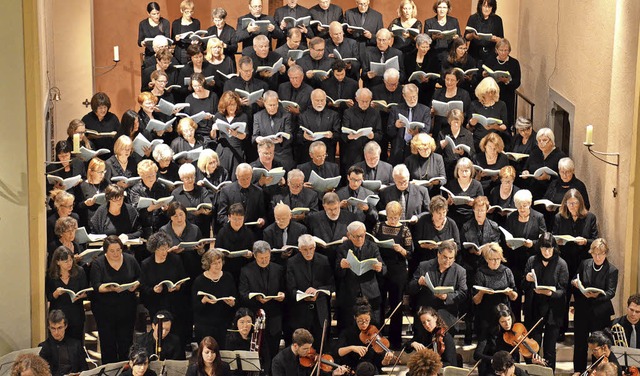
(121, 143)
(207, 156)
(494, 248)
(186, 122)
(488, 89)
(414, 12)
(424, 139)
(495, 139)
(213, 42)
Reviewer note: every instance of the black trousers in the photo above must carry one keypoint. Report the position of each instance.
(115, 328)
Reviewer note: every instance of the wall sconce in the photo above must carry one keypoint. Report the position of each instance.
(116, 60)
(597, 154)
(54, 94)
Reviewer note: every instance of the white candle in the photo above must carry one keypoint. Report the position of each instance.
(76, 142)
(116, 53)
(589, 137)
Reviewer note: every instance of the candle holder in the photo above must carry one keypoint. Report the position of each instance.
(598, 154)
(108, 67)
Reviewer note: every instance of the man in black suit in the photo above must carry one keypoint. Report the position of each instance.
(294, 42)
(380, 53)
(347, 48)
(316, 59)
(414, 198)
(442, 271)
(64, 354)
(298, 91)
(365, 212)
(309, 272)
(246, 34)
(389, 91)
(330, 224)
(243, 192)
(283, 232)
(296, 195)
(351, 285)
(365, 17)
(171, 346)
(373, 167)
(357, 117)
(287, 362)
(262, 56)
(318, 163)
(318, 118)
(326, 13)
(269, 122)
(292, 9)
(399, 135)
(630, 321)
(266, 278)
(266, 160)
(339, 86)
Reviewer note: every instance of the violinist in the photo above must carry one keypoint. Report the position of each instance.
(351, 347)
(299, 358)
(433, 334)
(504, 365)
(547, 301)
(593, 310)
(600, 343)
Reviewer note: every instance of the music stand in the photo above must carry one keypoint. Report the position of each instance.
(627, 356)
(454, 371)
(6, 362)
(156, 366)
(242, 360)
(535, 369)
(175, 367)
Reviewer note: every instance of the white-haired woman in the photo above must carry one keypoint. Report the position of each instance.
(545, 155)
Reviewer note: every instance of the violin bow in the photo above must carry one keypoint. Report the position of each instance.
(384, 323)
(525, 336)
(452, 326)
(396, 362)
(593, 365)
(316, 368)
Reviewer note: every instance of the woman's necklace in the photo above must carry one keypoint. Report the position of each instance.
(503, 62)
(598, 269)
(210, 276)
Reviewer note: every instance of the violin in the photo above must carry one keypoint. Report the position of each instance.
(438, 339)
(517, 337)
(592, 368)
(370, 337)
(327, 363)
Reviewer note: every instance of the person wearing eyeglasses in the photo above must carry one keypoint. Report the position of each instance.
(381, 52)
(296, 195)
(351, 285)
(318, 118)
(116, 217)
(365, 17)
(508, 85)
(365, 212)
(270, 121)
(246, 34)
(486, 21)
(600, 343)
(283, 232)
(593, 310)
(442, 21)
(181, 25)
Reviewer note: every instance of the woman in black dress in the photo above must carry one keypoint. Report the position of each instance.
(114, 308)
(64, 167)
(208, 361)
(484, 21)
(568, 180)
(63, 273)
(593, 310)
(574, 219)
(158, 86)
(443, 22)
(464, 184)
(222, 64)
(545, 155)
(152, 26)
(435, 226)
(187, 139)
(191, 196)
(450, 92)
(167, 168)
(202, 100)
(458, 57)
(502, 195)
(121, 163)
(209, 168)
(235, 236)
(508, 85)
(489, 105)
(424, 164)
(87, 190)
(63, 207)
(76, 126)
(433, 334)
(197, 64)
(395, 259)
(460, 136)
(480, 230)
(524, 223)
(425, 60)
(148, 112)
(546, 268)
(405, 40)
(524, 141)
(65, 230)
(130, 126)
(100, 120)
(182, 25)
(230, 146)
(496, 276)
(491, 157)
(224, 33)
(351, 349)
(239, 336)
(180, 230)
(116, 217)
(163, 265)
(213, 313)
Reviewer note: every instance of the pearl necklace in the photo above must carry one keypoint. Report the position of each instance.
(594, 267)
(210, 276)
(503, 62)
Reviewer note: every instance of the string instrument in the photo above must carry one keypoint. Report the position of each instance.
(258, 329)
(159, 331)
(518, 337)
(438, 336)
(327, 363)
(370, 337)
(589, 371)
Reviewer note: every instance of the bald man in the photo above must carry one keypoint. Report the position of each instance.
(380, 53)
(283, 232)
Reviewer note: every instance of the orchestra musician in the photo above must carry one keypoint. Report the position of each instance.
(433, 334)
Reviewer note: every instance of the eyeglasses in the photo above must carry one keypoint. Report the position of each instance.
(359, 236)
(363, 321)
